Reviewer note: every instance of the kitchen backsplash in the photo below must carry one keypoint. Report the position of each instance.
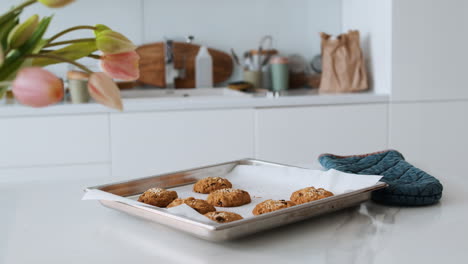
(221, 24)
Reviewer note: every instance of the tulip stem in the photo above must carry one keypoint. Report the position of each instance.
(23, 5)
(97, 57)
(69, 42)
(62, 59)
(58, 35)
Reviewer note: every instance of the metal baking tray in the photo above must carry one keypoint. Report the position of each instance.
(227, 231)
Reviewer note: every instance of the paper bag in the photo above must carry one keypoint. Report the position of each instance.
(343, 64)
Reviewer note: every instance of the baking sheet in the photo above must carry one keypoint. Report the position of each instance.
(262, 183)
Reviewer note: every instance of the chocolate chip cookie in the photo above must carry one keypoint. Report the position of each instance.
(210, 184)
(309, 194)
(223, 217)
(270, 206)
(158, 197)
(199, 205)
(228, 198)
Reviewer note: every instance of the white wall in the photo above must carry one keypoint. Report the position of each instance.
(221, 24)
(429, 47)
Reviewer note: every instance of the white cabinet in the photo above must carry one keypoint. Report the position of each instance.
(299, 135)
(429, 49)
(432, 136)
(144, 144)
(40, 141)
(88, 174)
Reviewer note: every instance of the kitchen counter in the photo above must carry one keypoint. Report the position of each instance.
(301, 98)
(46, 222)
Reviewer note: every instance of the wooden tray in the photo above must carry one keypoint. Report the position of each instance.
(152, 65)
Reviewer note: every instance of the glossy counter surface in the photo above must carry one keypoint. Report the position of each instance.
(46, 222)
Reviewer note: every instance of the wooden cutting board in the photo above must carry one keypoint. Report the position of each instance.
(152, 67)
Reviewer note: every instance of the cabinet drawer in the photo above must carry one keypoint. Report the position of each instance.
(144, 144)
(54, 140)
(299, 135)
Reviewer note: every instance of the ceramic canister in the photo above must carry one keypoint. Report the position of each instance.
(279, 73)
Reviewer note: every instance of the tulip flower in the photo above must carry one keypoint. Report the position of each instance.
(104, 90)
(122, 66)
(55, 3)
(99, 28)
(22, 32)
(37, 87)
(111, 42)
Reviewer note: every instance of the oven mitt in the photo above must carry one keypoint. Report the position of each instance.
(408, 185)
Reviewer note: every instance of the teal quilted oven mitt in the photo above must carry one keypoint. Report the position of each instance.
(408, 185)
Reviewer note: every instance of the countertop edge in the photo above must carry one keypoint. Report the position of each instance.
(195, 103)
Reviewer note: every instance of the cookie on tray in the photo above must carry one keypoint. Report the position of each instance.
(270, 206)
(199, 205)
(228, 198)
(223, 217)
(309, 194)
(158, 197)
(210, 184)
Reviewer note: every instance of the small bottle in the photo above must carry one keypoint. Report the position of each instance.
(203, 69)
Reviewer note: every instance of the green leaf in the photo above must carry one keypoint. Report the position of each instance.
(8, 17)
(74, 52)
(5, 30)
(15, 58)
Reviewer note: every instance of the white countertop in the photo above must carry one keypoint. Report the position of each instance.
(196, 103)
(46, 222)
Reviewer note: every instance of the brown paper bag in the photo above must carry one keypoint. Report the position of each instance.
(343, 65)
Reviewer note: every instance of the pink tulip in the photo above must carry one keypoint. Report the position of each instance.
(37, 87)
(122, 66)
(104, 90)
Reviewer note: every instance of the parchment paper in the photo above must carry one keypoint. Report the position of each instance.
(262, 183)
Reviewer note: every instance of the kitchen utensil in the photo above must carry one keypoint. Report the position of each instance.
(254, 78)
(298, 64)
(263, 41)
(240, 86)
(316, 64)
(214, 231)
(266, 60)
(314, 80)
(408, 185)
(152, 64)
(259, 58)
(236, 58)
(248, 63)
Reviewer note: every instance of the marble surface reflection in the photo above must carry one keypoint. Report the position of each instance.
(46, 222)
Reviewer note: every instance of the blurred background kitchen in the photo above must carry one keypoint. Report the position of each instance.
(415, 102)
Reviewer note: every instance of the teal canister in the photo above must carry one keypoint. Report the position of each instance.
(279, 73)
